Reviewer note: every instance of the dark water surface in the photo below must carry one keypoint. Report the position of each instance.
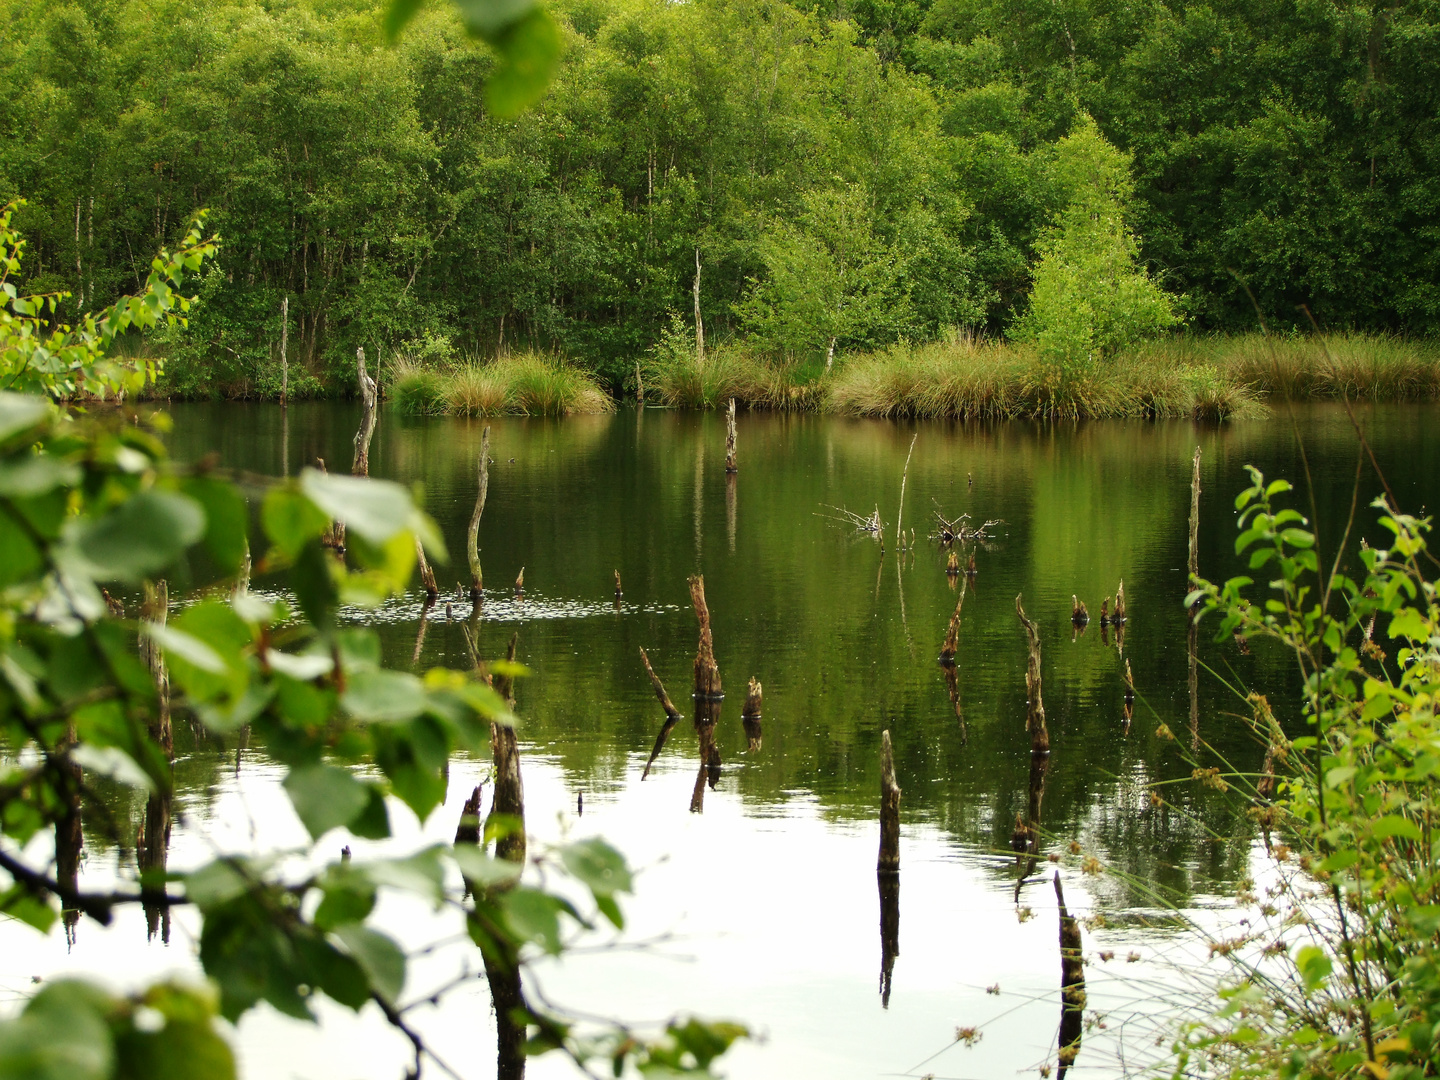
(764, 906)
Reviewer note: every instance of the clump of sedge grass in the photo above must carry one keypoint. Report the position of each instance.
(731, 371)
(528, 384)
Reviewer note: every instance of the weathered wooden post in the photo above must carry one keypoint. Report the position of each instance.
(707, 672)
(730, 465)
(889, 862)
(1193, 564)
(361, 464)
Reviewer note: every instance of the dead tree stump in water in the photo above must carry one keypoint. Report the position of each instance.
(1118, 619)
(472, 535)
(730, 465)
(952, 565)
(1072, 983)
(1034, 705)
(520, 582)
(707, 672)
(361, 464)
(1129, 700)
(970, 570)
(750, 715)
(619, 592)
(509, 793)
(468, 830)
(888, 864)
(1079, 616)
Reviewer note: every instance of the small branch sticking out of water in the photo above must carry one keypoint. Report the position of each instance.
(904, 476)
(1194, 563)
(952, 634)
(750, 715)
(672, 715)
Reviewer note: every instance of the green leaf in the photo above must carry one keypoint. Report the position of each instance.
(1314, 966)
(19, 902)
(36, 474)
(113, 762)
(1394, 825)
(376, 509)
(384, 695)
(179, 1051)
(379, 956)
(534, 917)
(187, 647)
(421, 873)
(529, 52)
(314, 584)
(326, 797)
(227, 521)
(598, 866)
(21, 414)
(141, 536)
(1409, 623)
(398, 15)
(291, 520)
(489, 17)
(482, 870)
(61, 1035)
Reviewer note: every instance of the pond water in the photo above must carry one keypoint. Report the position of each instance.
(762, 903)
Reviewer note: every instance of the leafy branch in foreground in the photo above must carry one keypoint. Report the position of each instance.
(91, 502)
(1350, 984)
(39, 355)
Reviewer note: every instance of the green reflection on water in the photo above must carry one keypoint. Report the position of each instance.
(843, 637)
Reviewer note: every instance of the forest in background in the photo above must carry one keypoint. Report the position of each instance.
(904, 157)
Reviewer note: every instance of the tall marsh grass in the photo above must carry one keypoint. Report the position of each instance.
(526, 384)
(972, 380)
(1373, 367)
(732, 372)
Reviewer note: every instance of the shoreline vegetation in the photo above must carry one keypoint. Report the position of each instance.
(1201, 377)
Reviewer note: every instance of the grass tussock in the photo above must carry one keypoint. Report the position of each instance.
(733, 372)
(525, 384)
(972, 380)
(1368, 367)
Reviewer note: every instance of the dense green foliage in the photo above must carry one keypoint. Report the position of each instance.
(862, 181)
(1339, 972)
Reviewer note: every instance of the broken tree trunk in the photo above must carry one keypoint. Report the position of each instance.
(730, 466)
(361, 463)
(1079, 616)
(427, 576)
(952, 565)
(468, 830)
(750, 715)
(1034, 705)
(1072, 983)
(472, 537)
(888, 864)
(520, 582)
(509, 793)
(1118, 619)
(619, 592)
(707, 672)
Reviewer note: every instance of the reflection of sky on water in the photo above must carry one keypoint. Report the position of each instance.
(770, 919)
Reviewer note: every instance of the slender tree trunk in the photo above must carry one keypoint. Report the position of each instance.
(284, 348)
(699, 322)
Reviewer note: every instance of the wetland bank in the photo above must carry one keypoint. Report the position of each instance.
(760, 902)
